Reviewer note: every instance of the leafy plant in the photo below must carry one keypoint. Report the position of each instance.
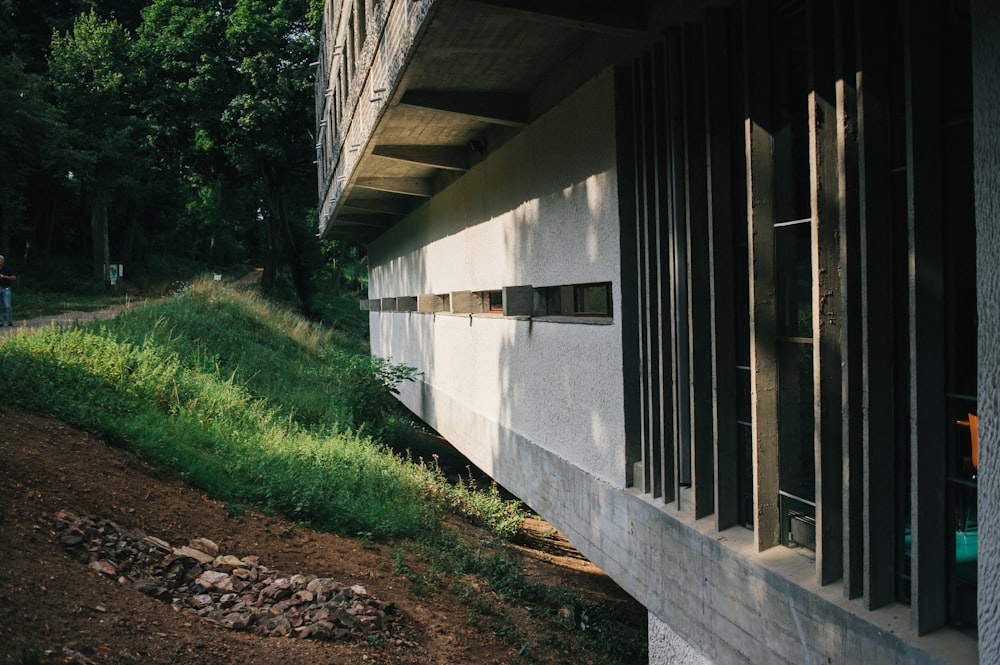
(368, 384)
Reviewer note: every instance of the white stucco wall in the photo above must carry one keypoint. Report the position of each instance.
(542, 211)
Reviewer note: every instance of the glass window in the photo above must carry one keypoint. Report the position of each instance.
(592, 300)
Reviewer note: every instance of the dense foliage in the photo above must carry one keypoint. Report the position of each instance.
(162, 131)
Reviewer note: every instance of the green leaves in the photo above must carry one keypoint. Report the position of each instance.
(92, 58)
(31, 137)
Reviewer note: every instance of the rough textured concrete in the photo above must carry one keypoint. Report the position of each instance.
(383, 56)
(668, 648)
(986, 121)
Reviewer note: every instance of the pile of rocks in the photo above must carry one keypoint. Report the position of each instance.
(234, 592)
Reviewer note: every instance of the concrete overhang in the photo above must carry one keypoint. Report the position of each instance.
(472, 74)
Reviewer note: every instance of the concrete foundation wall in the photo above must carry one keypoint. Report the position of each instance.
(722, 602)
(666, 647)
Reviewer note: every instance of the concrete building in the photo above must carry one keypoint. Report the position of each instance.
(710, 285)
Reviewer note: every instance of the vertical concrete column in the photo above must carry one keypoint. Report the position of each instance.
(763, 314)
(699, 310)
(925, 211)
(724, 212)
(986, 121)
(852, 405)
(825, 156)
(877, 326)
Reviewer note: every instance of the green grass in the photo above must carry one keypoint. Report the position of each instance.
(265, 410)
(248, 401)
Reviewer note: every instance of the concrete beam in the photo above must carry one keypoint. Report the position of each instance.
(496, 108)
(410, 186)
(603, 17)
(449, 158)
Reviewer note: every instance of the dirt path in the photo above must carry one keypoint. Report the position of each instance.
(249, 279)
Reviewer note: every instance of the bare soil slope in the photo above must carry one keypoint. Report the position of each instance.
(54, 609)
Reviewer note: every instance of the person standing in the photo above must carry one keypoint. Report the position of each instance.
(6, 277)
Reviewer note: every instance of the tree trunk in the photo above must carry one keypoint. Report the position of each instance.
(99, 235)
(279, 219)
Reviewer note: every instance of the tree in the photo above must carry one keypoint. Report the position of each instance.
(183, 124)
(31, 133)
(231, 95)
(90, 68)
(268, 123)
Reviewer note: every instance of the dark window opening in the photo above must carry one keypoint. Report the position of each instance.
(494, 301)
(583, 300)
(592, 300)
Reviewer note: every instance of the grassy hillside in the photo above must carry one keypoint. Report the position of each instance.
(248, 401)
(264, 409)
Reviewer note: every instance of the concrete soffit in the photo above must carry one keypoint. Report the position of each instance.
(457, 84)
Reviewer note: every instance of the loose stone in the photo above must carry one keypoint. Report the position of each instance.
(238, 593)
